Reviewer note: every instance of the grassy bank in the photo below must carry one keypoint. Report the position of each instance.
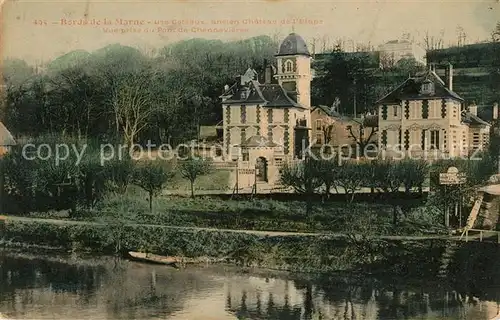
(292, 253)
(263, 214)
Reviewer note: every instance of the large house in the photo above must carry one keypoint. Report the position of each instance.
(331, 128)
(393, 51)
(266, 121)
(425, 117)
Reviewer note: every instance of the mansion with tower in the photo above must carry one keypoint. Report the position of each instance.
(266, 120)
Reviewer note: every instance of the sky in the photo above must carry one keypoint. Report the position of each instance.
(38, 31)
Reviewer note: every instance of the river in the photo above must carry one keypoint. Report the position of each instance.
(46, 286)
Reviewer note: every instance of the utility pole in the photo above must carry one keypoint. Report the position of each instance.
(2, 183)
(354, 104)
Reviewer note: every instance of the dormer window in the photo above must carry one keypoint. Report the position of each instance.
(427, 87)
(288, 66)
(244, 94)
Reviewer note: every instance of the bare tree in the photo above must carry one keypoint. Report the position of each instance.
(327, 130)
(387, 60)
(433, 42)
(325, 43)
(340, 44)
(313, 45)
(133, 102)
(360, 137)
(461, 36)
(495, 34)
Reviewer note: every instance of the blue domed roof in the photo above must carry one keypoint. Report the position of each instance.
(293, 45)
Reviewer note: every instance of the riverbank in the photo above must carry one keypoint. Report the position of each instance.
(300, 253)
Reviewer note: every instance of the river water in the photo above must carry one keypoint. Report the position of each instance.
(63, 287)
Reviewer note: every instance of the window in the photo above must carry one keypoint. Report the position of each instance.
(415, 110)
(243, 94)
(319, 124)
(319, 138)
(246, 156)
(289, 66)
(395, 108)
(218, 152)
(243, 114)
(434, 109)
(434, 139)
(427, 87)
(415, 138)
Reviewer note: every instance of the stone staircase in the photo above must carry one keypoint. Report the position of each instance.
(447, 258)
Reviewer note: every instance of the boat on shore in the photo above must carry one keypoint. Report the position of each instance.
(172, 261)
(153, 258)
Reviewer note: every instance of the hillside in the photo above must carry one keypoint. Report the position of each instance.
(473, 67)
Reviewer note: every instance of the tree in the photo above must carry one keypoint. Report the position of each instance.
(389, 177)
(134, 102)
(351, 178)
(152, 177)
(119, 174)
(348, 77)
(433, 42)
(387, 60)
(303, 177)
(193, 168)
(360, 137)
(91, 180)
(461, 36)
(327, 128)
(327, 173)
(414, 174)
(495, 34)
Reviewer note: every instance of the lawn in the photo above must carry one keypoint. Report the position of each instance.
(262, 214)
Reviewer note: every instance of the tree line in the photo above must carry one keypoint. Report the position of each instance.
(119, 93)
(384, 177)
(43, 183)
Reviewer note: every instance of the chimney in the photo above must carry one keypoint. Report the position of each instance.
(433, 67)
(449, 76)
(473, 109)
(268, 74)
(495, 111)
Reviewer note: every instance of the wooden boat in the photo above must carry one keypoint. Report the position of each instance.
(152, 258)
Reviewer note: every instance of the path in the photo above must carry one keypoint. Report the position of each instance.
(254, 232)
(262, 189)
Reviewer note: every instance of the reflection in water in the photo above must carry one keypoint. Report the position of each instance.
(106, 288)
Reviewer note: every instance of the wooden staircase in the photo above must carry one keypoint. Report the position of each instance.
(473, 215)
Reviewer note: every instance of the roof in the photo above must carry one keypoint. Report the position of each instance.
(472, 119)
(6, 138)
(485, 113)
(258, 141)
(410, 90)
(329, 111)
(369, 121)
(293, 44)
(267, 94)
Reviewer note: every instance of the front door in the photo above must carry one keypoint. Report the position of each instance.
(261, 169)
